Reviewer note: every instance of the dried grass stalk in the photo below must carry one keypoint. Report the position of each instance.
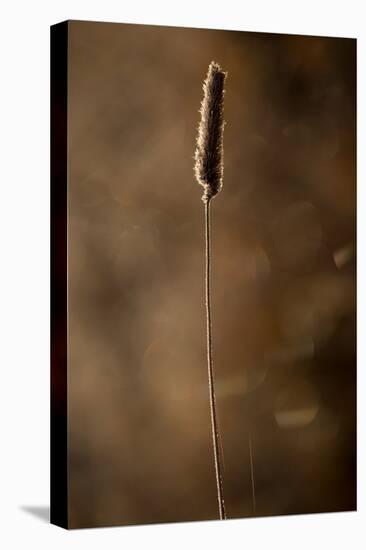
(209, 173)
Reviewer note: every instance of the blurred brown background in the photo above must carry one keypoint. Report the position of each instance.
(283, 275)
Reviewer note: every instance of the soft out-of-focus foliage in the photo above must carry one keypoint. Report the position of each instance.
(283, 278)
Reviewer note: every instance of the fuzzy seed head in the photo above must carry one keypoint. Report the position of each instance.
(209, 165)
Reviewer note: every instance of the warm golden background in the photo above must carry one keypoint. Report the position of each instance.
(283, 276)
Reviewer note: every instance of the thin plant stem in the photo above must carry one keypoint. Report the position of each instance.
(211, 381)
(252, 472)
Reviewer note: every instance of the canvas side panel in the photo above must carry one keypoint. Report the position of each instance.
(59, 71)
